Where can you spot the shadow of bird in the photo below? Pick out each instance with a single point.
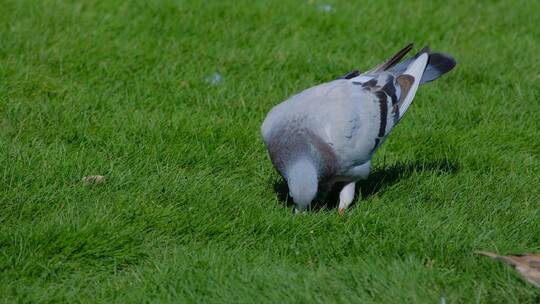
(380, 180)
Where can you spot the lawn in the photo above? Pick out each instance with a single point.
(165, 98)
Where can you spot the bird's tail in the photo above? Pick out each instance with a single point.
(438, 64)
(423, 67)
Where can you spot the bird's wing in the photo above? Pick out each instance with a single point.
(392, 94)
(401, 88)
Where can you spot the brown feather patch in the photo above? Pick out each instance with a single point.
(405, 83)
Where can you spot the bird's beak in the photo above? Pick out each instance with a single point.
(341, 211)
(297, 211)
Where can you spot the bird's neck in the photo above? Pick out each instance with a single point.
(295, 145)
(302, 168)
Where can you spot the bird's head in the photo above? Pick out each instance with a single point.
(302, 179)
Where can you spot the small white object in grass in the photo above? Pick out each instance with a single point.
(214, 78)
(326, 8)
(93, 180)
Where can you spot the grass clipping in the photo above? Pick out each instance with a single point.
(93, 180)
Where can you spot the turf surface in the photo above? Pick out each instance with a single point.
(192, 210)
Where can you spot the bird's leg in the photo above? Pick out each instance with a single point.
(346, 197)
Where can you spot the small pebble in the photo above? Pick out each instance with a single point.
(326, 8)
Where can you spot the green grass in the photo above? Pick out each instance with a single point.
(189, 212)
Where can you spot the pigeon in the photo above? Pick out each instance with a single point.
(328, 133)
(528, 265)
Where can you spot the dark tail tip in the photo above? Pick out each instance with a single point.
(438, 65)
(442, 61)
